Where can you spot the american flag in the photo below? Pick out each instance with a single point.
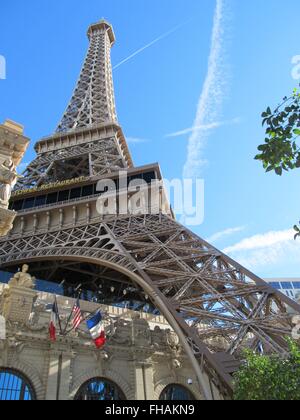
(77, 315)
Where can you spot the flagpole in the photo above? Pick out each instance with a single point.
(73, 328)
(65, 332)
(59, 321)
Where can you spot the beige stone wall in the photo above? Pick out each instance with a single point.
(142, 355)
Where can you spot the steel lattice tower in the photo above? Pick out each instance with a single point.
(216, 306)
(93, 101)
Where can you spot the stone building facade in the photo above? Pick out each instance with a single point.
(142, 356)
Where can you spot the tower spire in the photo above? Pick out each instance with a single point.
(93, 101)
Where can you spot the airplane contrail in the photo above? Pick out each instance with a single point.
(212, 95)
(155, 41)
(207, 127)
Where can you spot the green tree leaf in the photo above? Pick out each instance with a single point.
(269, 378)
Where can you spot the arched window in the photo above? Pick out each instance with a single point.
(99, 389)
(176, 393)
(15, 387)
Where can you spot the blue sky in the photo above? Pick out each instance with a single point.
(247, 213)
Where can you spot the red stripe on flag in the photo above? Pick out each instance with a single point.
(77, 316)
(100, 342)
(52, 331)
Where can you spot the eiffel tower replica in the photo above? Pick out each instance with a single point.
(217, 307)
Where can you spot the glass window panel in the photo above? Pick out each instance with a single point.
(149, 176)
(75, 193)
(63, 195)
(137, 176)
(5, 276)
(275, 285)
(87, 190)
(51, 198)
(40, 200)
(29, 203)
(17, 205)
(99, 390)
(49, 287)
(14, 386)
(176, 393)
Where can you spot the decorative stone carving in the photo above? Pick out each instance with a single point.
(142, 334)
(8, 179)
(7, 218)
(15, 345)
(23, 279)
(18, 299)
(158, 338)
(102, 356)
(121, 333)
(173, 342)
(13, 143)
(176, 364)
(34, 322)
(2, 328)
(3, 353)
(12, 148)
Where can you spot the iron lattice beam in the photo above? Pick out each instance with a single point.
(95, 158)
(219, 305)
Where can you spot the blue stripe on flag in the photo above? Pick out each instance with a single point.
(95, 320)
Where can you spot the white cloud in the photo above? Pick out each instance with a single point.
(207, 127)
(211, 98)
(266, 250)
(136, 140)
(262, 241)
(225, 233)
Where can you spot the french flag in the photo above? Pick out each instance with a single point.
(54, 321)
(97, 330)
